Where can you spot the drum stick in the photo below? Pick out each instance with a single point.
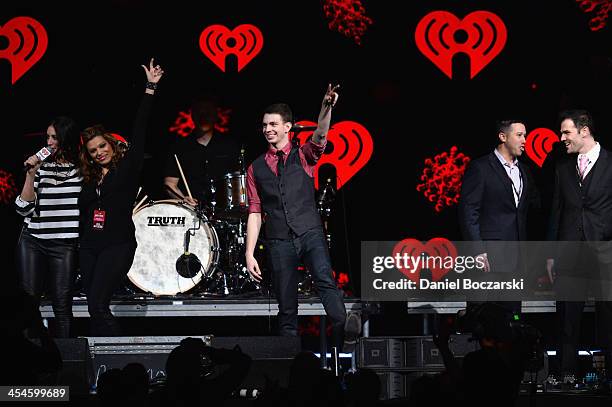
(183, 176)
(139, 203)
(138, 193)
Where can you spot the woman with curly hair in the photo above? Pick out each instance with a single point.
(111, 173)
(47, 246)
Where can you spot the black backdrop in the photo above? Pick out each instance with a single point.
(91, 71)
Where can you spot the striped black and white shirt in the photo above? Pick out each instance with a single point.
(54, 214)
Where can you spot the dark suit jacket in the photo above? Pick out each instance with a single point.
(486, 209)
(582, 212)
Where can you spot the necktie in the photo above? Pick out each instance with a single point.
(280, 167)
(583, 162)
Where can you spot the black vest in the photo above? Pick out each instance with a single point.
(288, 202)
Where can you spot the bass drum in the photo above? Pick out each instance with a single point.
(160, 233)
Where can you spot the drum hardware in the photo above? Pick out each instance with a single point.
(241, 160)
(188, 264)
(324, 206)
(231, 277)
(225, 289)
(212, 201)
(306, 286)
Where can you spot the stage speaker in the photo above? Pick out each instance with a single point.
(409, 353)
(77, 371)
(394, 385)
(150, 351)
(272, 357)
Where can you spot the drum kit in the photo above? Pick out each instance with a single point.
(200, 251)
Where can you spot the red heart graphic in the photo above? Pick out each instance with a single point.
(353, 147)
(244, 41)
(435, 38)
(27, 43)
(539, 143)
(438, 246)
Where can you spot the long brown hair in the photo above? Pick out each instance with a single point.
(67, 135)
(91, 170)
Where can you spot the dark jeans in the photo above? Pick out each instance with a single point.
(283, 260)
(54, 260)
(103, 271)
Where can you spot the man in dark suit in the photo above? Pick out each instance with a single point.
(581, 212)
(495, 196)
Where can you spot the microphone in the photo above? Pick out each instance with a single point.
(188, 265)
(42, 155)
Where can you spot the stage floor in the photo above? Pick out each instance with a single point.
(185, 306)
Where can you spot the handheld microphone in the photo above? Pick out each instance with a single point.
(42, 155)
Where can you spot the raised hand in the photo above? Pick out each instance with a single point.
(154, 72)
(331, 96)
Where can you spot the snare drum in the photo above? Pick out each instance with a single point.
(231, 195)
(160, 233)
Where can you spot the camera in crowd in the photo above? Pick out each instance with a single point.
(497, 326)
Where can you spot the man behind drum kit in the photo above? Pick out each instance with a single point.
(280, 186)
(204, 155)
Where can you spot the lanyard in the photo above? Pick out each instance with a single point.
(516, 192)
(99, 192)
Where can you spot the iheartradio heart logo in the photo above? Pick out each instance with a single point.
(539, 143)
(244, 41)
(435, 37)
(436, 247)
(27, 43)
(353, 147)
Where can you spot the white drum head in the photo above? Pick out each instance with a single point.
(160, 233)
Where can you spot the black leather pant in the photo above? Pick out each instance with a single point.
(51, 261)
(103, 271)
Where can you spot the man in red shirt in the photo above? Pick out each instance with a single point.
(280, 186)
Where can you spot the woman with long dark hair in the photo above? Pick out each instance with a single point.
(47, 246)
(111, 173)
